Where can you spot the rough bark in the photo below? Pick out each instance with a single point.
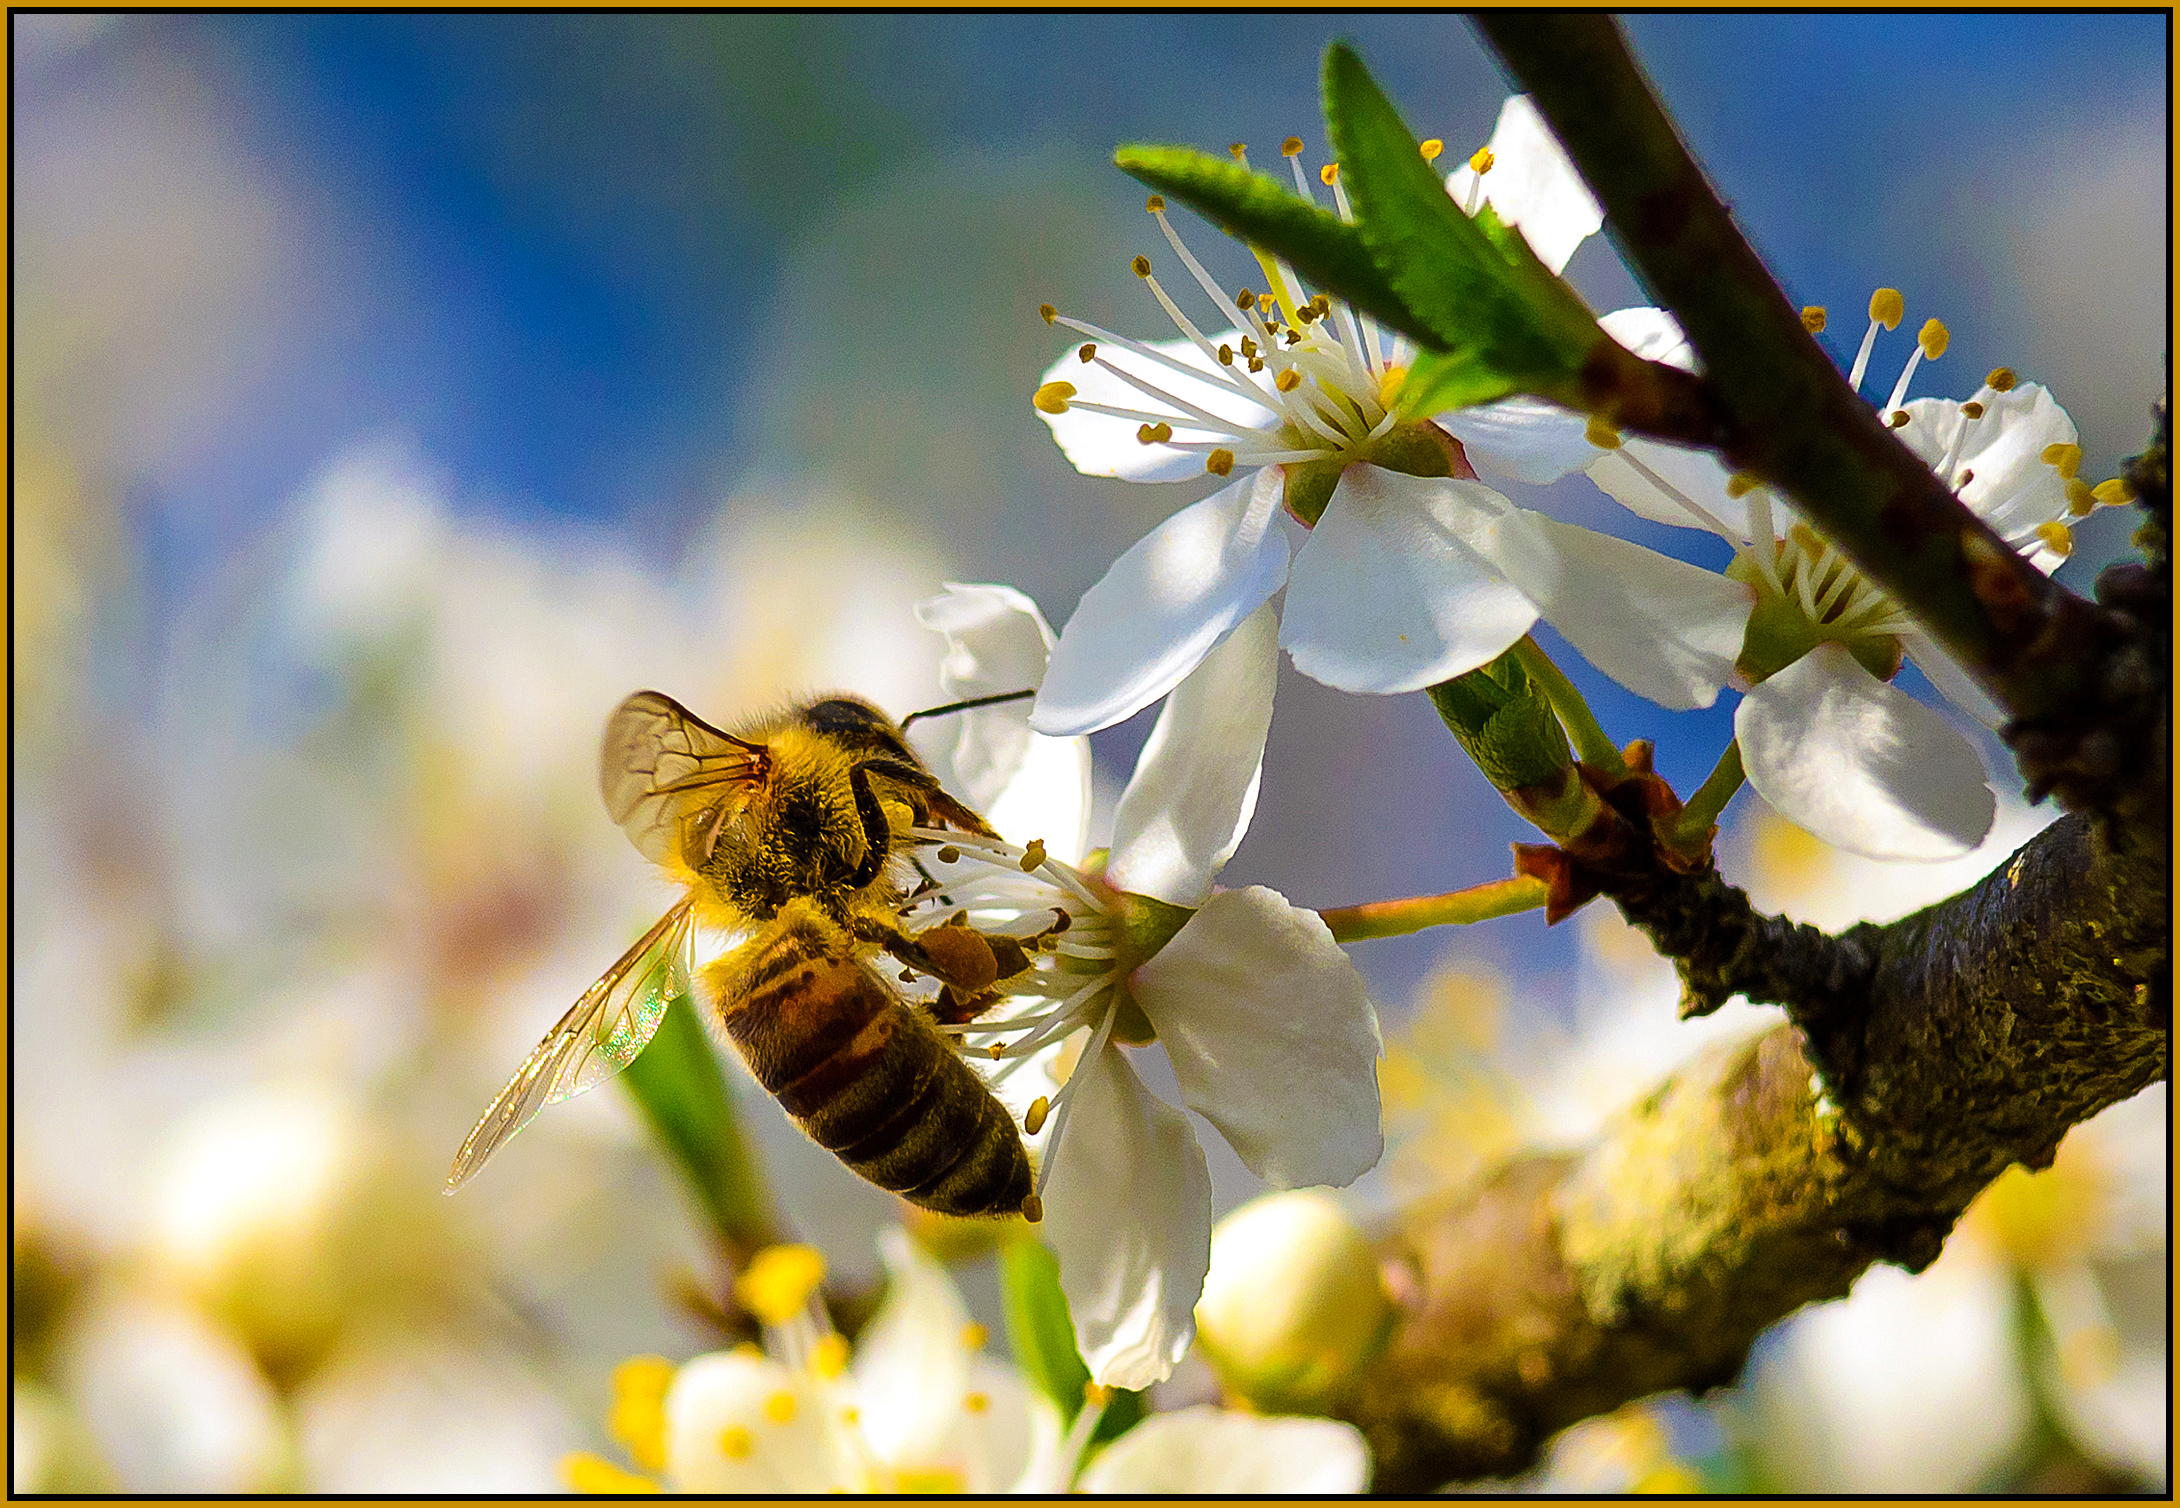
(1743, 1187)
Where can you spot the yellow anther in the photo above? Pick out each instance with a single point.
(1813, 318)
(2113, 493)
(829, 1357)
(1226, 356)
(1140, 266)
(1291, 337)
(1047, 313)
(1741, 484)
(1971, 409)
(949, 854)
(1291, 147)
(2068, 458)
(2001, 380)
(2058, 537)
(1034, 1120)
(1480, 161)
(1329, 174)
(1966, 476)
(1811, 542)
(1933, 338)
(1601, 434)
(736, 1442)
(976, 1403)
(780, 1407)
(1156, 204)
(643, 1377)
(1095, 1396)
(1431, 149)
(749, 1350)
(1221, 461)
(1256, 364)
(2081, 498)
(1246, 299)
(1897, 419)
(779, 1281)
(974, 1336)
(1146, 434)
(996, 1051)
(1087, 353)
(1248, 346)
(1888, 308)
(1033, 856)
(595, 1476)
(1239, 149)
(1052, 397)
(1033, 1208)
(1288, 380)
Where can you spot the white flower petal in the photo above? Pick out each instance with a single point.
(1272, 1036)
(1195, 785)
(1532, 185)
(1954, 683)
(1026, 785)
(1652, 334)
(1214, 1451)
(911, 1368)
(1862, 764)
(1100, 445)
(1664, 629)
(1128, 1211)
(1390, 593)
(1177, 592)
(727, 1391)
(1000, 1434)
(1658, 481)
(1527, 439)
(2012, 487)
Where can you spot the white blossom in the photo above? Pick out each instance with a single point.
(1265, 1020)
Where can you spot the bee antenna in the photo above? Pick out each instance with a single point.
(974, 701)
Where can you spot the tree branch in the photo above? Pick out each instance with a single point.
(1979, 1031)
(1790, 417)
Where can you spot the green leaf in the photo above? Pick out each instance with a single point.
(1508, 323)
(1042, 1337)
(678, 1085)
(1439, 381)
(1261, 211)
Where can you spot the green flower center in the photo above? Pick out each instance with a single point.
(1808, 594)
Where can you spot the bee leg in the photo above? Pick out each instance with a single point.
(877, 832)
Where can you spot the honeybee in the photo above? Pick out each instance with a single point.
(786, 832)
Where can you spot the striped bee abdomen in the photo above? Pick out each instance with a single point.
(875, 1083)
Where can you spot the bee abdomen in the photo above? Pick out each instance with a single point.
(877, 1086)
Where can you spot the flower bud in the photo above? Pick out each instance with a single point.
(1293, 1303)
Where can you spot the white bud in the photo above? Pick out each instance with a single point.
(1293, 1302)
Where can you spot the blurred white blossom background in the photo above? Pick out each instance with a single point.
(394, 394)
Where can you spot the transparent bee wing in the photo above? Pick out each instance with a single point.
(599, 1036)
(662, 764)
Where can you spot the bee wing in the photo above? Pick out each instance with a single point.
(599, 1036)
(661, 764)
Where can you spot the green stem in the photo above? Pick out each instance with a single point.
(678, 1084)
(1478, 903)
(1591, 745)
(1704, 807)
